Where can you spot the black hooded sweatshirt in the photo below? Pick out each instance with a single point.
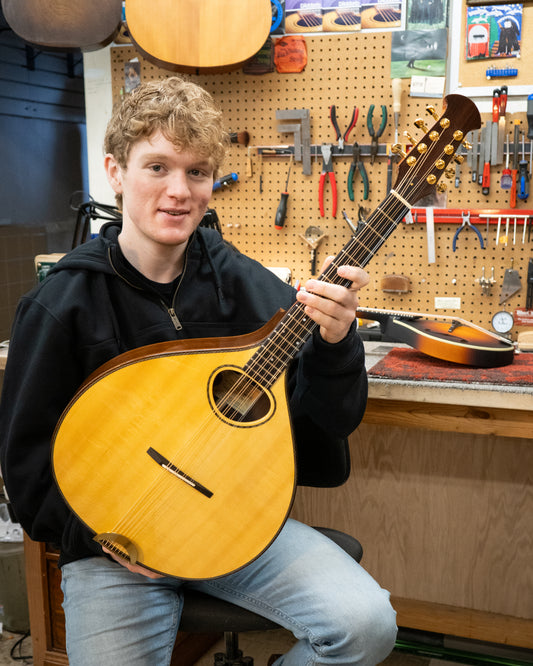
(93, 305)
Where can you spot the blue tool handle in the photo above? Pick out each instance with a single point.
(225, 180)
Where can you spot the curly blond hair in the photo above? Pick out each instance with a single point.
(181, 110)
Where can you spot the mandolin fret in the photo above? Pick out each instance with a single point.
(281, 346)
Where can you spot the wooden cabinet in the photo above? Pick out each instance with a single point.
(47, 622)
(440, 496)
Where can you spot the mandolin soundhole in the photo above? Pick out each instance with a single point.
(238, 398)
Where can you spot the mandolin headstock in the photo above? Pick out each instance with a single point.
(420, 170)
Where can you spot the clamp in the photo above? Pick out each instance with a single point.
(465, 225)
(375, 134)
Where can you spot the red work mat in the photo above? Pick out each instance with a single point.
(412, 365)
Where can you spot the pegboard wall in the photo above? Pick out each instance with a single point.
(347, 70)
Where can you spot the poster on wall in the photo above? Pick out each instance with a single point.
(419, 52)
(493, 31)
(427, 14)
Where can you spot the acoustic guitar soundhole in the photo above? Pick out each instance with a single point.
(237, 398)
(348, 18)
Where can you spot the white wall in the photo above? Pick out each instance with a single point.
(98, 105)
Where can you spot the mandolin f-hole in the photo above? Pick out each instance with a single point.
(238, 399)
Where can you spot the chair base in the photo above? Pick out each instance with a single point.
(233, 656)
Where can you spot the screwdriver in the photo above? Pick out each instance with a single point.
(507, 179)
(281, 212)
(529, 114)
(523, 192)
(514, 172)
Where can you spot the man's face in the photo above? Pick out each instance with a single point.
(165, 192)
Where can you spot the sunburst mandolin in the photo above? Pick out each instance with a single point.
(179, 456)
(441, 336)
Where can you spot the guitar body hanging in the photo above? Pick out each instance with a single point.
(179, 456)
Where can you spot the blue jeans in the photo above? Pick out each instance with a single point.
(303, 581)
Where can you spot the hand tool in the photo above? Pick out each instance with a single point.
(327, 169)
(458, 166)
(530, 117)
(485, 182)
(240, 137)
(514, 171)
(396, 105)
(481, 154)
(302, 137)
(471, 157)
(229, 179)
(511, 284)
(375, 134)
(466, 224)
(349, 222)
(357, 164)
(281, 212)
(313, 236)
(342, 138)
(361, 217)
(498, 125)
(506, 180)
(529, 297)
(495, 125)
(523, 174)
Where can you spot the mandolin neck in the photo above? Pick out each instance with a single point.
(277, 351)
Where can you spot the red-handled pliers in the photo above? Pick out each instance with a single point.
(327, 168)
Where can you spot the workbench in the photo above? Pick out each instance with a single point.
(440, 497)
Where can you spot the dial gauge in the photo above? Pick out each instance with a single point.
(502, 322)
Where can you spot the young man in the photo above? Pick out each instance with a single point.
(155, 277)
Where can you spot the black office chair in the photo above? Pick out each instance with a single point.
(205, 614)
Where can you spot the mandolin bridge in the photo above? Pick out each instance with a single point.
(176, 471)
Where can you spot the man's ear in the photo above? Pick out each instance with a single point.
(113, 173)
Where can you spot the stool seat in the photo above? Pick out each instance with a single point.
(203, 613)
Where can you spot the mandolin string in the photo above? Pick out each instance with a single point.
(398, 208)
(156, 492)
(294, 324)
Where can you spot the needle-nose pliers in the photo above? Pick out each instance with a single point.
(342, 138)
(375, 134)
(354, 166)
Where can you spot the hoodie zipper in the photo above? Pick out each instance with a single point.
(171, 310)
(174, 318)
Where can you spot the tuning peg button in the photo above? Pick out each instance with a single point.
(432, 111)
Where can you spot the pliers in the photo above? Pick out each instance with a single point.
(341, 138)
(357, 164)
(327, 168)
(465, 225)
(375, 134)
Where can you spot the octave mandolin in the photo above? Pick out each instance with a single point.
(203, 34)
(179, 456)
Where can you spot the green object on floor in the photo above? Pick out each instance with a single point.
(457, 656)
